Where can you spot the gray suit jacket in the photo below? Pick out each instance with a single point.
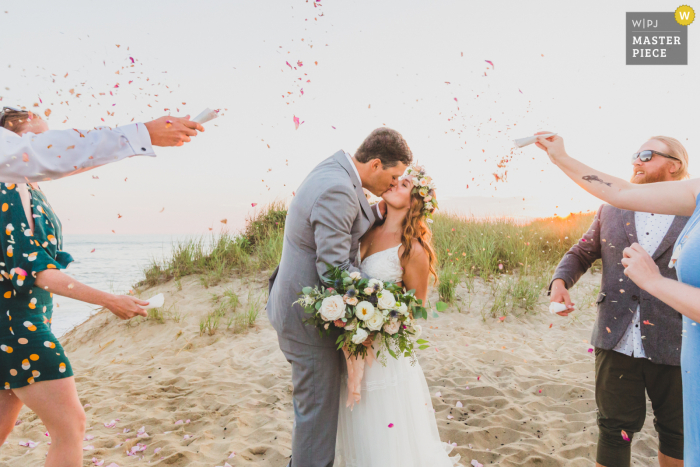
(612, 231)
(324, 224)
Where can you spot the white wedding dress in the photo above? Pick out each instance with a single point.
(397, 395)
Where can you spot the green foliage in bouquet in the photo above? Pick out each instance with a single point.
(366, 311)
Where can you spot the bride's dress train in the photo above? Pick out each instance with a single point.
(394, 423)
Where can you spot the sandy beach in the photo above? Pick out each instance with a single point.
(526, 385)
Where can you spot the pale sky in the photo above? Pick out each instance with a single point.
(558, 66)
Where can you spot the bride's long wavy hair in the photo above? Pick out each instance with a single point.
(414, 227)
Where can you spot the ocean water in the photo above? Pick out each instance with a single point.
(116, 264)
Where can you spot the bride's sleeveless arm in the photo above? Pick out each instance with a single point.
(416, 271)
(332, 218)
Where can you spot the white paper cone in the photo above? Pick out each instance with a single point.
(556, 307)
(521, 142)
(206, 115)
(155, 302)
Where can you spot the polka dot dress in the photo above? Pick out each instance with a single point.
(29, 352)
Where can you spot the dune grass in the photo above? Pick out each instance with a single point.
(516, 259)
(259, 247)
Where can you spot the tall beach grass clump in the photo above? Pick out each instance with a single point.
(515, 258)
(258, 247)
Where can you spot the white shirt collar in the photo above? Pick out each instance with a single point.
(352, 163)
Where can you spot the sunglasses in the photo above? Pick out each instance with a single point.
(7, 109)
(645, 156)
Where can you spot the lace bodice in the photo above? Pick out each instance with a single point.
(384, 265)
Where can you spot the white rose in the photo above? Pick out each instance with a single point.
(417, 329)
(386, 300)
(403, 309)
(376, 282)
(356, 276)
(376, 322)
(360, 336)
(364, 310)
(350, 326)
(332, 308)
(416, 182)
(424, 182)
(368, 291)
(351, 301)
(392, 327)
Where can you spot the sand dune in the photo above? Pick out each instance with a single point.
(527, 389)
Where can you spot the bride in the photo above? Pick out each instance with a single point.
(394, 425)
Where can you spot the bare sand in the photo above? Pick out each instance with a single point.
(527, 388)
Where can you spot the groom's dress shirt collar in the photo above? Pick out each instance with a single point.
(352, 163)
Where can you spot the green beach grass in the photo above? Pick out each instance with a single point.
(515, 258)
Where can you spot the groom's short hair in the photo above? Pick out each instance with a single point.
(387, 145)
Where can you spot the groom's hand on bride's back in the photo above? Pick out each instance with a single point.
(172, 131)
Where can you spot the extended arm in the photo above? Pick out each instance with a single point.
(642, 269)
(331, 219)
(676, 198)
(58, 153)
(416, 272)
(54, 281)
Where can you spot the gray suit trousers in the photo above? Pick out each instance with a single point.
(316, 378)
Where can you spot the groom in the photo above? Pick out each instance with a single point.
(324, 224)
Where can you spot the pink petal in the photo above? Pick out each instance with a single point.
(88, 448)
(590, 350)
(96, 461)
(490, 63)
(296, 122)
(459, 404)
(475, 463)
(132, 59)
(252, 204)
(391, 425)
(450, 417)
(233, 454)
(157, 450)
(88, 437)
(624, 436)
(438, 394)
(179, 422)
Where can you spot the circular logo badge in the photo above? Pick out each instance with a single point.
(684, 15)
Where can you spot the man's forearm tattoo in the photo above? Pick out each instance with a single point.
(594, 178)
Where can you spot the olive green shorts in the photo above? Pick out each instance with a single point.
(620, 383)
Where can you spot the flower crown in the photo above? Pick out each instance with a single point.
(424, 186)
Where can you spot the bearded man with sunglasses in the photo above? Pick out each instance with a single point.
(637, 337)
(40, 155)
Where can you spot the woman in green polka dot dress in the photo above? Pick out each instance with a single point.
(34, 369)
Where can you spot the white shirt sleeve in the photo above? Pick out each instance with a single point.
(59, 153)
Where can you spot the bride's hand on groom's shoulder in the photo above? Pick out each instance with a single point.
(126, 307)
(553, 146)
(172, 131)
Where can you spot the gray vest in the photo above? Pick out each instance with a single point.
(612, 231)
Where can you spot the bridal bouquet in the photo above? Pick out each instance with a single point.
(365, 309)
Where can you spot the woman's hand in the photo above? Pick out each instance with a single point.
(553, 146)
(640, 267)
(126, 307)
